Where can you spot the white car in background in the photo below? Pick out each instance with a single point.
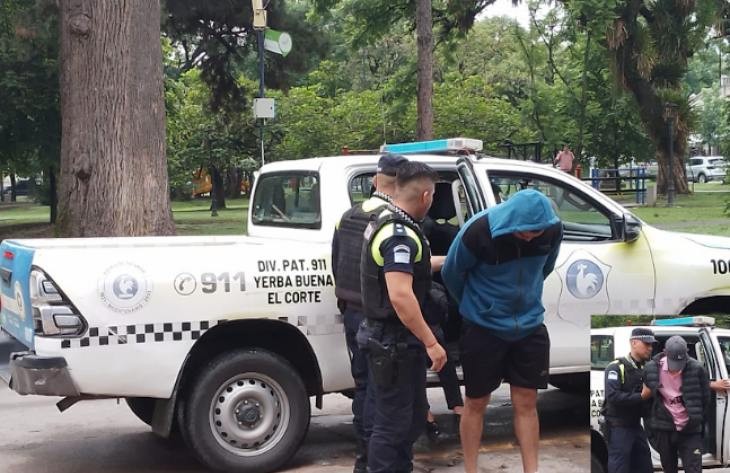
(706, 168)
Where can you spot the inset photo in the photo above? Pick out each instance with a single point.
(659, 391)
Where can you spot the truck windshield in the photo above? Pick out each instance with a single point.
(288, 199)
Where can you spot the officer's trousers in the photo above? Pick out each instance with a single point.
(400, 416)
(361, 420)
(628, 450)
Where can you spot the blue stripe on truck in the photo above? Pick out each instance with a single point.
(18, 323)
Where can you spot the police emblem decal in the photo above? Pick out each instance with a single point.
(125, 287)
(584, 279)
(19, 299)
(612, 375)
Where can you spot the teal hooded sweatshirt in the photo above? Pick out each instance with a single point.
(497, 278)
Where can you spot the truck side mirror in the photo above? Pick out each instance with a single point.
(631, 228)
(627, 227)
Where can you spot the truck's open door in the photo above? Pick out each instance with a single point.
(717, 422)
(473, 192)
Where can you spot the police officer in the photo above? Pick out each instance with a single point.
(395, 280)
(628, 448)
(346, 251)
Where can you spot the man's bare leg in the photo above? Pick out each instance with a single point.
(470, 430)
(527, 425)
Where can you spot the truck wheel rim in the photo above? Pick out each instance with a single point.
(249, 414)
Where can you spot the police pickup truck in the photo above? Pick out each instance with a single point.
(225, 339)
(709, 345)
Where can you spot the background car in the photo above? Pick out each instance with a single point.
(22, 187)
(706, 168)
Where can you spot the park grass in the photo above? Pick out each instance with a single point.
(701, 212)
(30, 220)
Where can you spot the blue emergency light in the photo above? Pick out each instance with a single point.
(433, 146)
(696, 321)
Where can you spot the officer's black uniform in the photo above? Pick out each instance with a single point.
(347, 244)
(628, 448)
(346, 253)
(396, 358)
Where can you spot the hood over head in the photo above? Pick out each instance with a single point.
(526, 211)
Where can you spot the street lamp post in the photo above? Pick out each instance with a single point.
(670, 115)
(259, 25)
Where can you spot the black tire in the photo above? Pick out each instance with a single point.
(142, 407)
(248, 411)
(701, 178)
(596, 465)
(572, 383)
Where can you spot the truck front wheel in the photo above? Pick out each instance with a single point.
(247, 411)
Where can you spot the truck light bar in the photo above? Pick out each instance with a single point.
(433, 146)
(696, 321)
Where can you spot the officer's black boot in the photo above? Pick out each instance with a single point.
(361, 457)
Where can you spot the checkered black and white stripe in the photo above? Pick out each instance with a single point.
(141, 333)
(310, 325)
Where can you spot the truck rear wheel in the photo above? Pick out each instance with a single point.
(247, 411)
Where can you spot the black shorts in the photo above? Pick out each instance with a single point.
(487, 360)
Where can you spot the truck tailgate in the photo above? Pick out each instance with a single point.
(16, 316)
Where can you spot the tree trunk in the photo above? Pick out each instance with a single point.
(233, 183)
(424, 88)
(583, 99)
(52, 196)
(680, 176)
(13, 182)
(218, 191)
(113, 176)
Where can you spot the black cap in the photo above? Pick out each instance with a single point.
(643, 334)
(389, 163)
(676, 350)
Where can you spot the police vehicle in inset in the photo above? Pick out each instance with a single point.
(706, 343)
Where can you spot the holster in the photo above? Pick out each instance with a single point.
(386, 361)
(604, 428)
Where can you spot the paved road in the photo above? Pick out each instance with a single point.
(97, 436)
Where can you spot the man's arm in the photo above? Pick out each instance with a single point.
(705, 386)
(459, 261)
(437, 262)
(400, 291)
(554, 251)
(614, 394)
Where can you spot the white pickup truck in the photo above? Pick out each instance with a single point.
(709, 345)
(224, 339)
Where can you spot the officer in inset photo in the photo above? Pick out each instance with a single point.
(346, 253)
(396, 278)
(681, 388)
(624, 405)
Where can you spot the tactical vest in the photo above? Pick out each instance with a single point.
(376, 303)
(632, 379)
(350, 239)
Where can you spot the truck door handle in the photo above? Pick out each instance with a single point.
(6, 274)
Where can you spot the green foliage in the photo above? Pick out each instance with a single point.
(199, 137)
(29, 116)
